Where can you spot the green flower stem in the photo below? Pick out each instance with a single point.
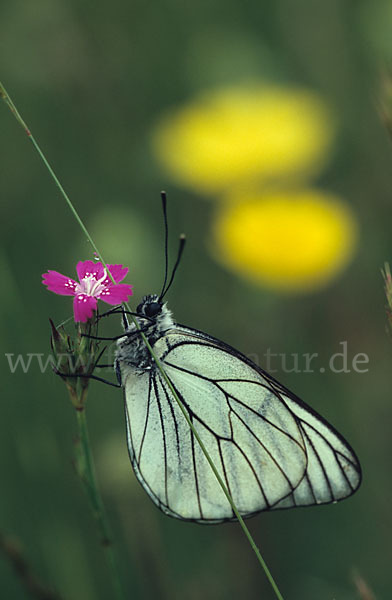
(86, 470)
(247, 533)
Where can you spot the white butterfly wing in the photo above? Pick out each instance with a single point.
(270, 450)
(333, 471)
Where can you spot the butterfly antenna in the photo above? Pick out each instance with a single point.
(179, 254)
(164, 208)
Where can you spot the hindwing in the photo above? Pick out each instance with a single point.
(271, 450)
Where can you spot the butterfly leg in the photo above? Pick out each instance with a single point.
(101, 379)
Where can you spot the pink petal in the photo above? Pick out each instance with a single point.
(116, 294)
(84, 307)
(58, 283)
(118, 272)
(90, 267)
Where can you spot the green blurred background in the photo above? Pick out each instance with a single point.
(91, 79)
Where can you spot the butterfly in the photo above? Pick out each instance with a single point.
(271, 449)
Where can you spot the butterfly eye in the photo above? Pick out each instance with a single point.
(152, 309)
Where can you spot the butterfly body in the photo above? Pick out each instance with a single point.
(131, 349)
(271, 450)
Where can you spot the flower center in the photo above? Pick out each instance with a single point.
(91, 286)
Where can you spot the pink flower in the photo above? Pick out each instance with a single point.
(94, 284)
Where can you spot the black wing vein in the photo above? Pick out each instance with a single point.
(163, 436)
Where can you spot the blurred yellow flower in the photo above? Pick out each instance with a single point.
(242, 134)
(294, 241)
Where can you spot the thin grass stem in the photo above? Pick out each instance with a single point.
(7, 99)
(245, 529)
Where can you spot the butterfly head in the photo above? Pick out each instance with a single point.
(152, 310)
(150, 306)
